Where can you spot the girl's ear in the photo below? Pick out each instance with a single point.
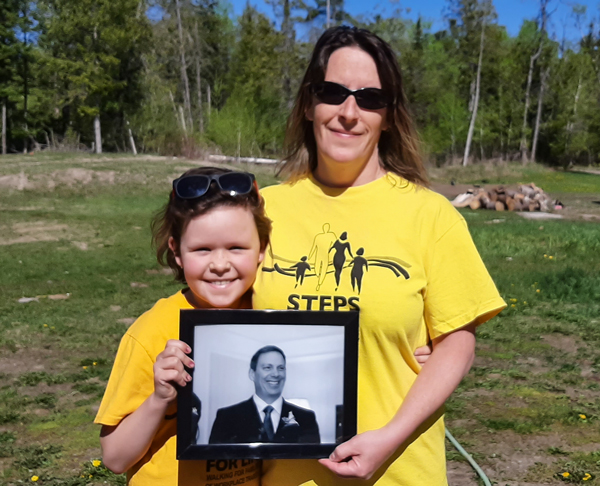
(261, 256)
(175, 250)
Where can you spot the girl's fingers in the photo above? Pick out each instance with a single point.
(176, 343)
(176, 352)
(170, 363)
(168, 377)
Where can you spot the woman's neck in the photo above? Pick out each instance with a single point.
(348, 174)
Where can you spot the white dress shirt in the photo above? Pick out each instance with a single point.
(275, 414)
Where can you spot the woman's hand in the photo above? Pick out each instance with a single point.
(423, 353)
(449, 362)
(362, 455)
(169, 370)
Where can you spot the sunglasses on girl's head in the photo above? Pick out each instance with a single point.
(194, 186)
(366, 98)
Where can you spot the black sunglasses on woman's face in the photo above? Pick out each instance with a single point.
(366, 98)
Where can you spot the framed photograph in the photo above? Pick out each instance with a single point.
(267, 384)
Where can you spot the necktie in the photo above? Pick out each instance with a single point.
(269, 423)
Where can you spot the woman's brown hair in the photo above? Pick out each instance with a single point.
(173, 218)
(399, 150)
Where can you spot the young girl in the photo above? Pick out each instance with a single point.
(213, 233)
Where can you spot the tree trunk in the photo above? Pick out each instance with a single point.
(538, 118)
(3, 127)
(131, 140)
(286, 27)
(570, 124)
(182, 116)
(98, 134)
(184, 77)
(199, 87)
(532, 61)
(481, 152)
(25, 74)
(523, 145)
(175, 109)
(208, 100)
(476, 100)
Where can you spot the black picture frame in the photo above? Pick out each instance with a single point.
(321, 350)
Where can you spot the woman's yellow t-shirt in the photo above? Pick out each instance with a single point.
(403, 257)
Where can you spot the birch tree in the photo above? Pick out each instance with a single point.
(532, 61)
(475, 103)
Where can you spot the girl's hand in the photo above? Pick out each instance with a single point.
(169, 370)
(362, 455)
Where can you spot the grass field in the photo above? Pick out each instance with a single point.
(75, 238)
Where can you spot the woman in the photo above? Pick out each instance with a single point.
(353, 167)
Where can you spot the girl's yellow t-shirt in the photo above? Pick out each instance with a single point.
(132, 381)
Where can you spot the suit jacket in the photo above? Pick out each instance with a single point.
(241, 423)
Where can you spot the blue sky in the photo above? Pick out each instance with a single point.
(510, 12)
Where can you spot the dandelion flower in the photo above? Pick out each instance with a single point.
(587, 476)
(550, 257)
(94, 363)
(514, 300)
(513, 305)
(582, 416)
(84, 367)
(34, 479)
(565, 474)
(96, 462)
(545, 256)
(538, 291)
(45, 325)
(525, 302)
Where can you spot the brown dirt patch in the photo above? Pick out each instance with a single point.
(510, 455)
(37, 231)
(566, 344)
(460, 474)
(67, 177)
(33, 232)
(24, 360)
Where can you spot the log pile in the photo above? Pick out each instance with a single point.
(527, 197)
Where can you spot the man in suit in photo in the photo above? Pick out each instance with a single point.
(265, 416)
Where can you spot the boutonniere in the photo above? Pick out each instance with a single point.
(290, 419)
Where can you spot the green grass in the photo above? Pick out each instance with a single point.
(537, 366)
(552, 181)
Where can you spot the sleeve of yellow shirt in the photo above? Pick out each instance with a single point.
(131, 382)
(459, 288)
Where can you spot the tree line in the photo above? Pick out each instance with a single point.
(182, 76)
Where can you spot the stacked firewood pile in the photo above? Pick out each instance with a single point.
(527, 197)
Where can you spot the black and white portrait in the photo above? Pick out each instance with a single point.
(269, 384)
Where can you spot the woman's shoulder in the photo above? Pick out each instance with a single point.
(282, 188)
(425, 197)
